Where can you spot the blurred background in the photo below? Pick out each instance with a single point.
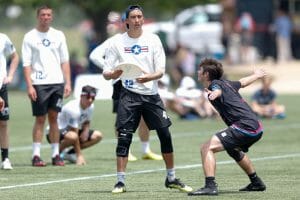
(236, 32)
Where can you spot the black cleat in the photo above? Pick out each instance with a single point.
(204, 191)
(252, 187)
(119, 188)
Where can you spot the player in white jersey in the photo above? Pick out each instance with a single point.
(74, 126)
(47, 75)
(97, 57)
(139, 97)
(7, 50)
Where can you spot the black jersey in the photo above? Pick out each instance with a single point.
(233, 109)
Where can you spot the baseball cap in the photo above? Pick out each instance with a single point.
(131, 8)
(88, 91)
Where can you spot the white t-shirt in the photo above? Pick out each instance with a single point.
(98, 54)
(146, 52)
(73, 115)
(6, 49)
(45, 52)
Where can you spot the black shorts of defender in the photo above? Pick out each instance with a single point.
(132, 106)
(48, 97)
(116, 95)
(4, 115)
(236, 143)
(62, 133)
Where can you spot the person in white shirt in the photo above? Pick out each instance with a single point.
(74, 126)
(47, 74)
(139, 96)
(97, 57)
(7, 50)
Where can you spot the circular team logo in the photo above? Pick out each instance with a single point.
(136, 49)
(46, 42)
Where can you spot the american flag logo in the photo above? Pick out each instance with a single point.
(136, 49)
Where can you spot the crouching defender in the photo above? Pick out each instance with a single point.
(244, 128)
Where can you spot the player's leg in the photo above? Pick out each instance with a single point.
(208, 150)
(54, 107)
(157, 119)
(4, 137)
(144, 134)
(94, 138)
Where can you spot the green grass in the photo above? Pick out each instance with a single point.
(276, 158)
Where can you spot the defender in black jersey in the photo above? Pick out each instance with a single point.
(244, 128)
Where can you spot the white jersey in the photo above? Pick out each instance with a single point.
(146, 52)
(98, 54)
(72, 115)
(45, 52)
(6, 49)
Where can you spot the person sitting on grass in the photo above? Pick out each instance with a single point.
(264, 102)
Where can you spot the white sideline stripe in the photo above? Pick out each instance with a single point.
(136, 139)
(142, 172)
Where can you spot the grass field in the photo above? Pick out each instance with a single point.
(276, 158)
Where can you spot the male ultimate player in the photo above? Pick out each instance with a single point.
(244, 128)
(139, 96)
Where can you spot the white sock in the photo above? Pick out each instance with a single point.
(171, 174)
(36, 149)
(145, 147)
(121, 177)
(55, 149)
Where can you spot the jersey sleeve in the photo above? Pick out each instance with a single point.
(26, 52)
(9, 47)
(63, 50)
(159, 55)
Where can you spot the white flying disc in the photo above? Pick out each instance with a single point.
(130, 71)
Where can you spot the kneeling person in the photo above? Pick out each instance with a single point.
(74, 126)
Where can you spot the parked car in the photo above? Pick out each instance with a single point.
(198, 28)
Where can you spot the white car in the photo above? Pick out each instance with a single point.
(198, 28)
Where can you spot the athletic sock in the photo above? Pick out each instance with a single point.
(121, 177)
(171, 174)
(254, 178)
(36, 146)
(4, 153)
(210, 182)
(55, 149)
(145, 147)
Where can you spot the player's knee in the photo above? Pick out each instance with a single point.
(71, 136)
(237, 155)
(165, 140)
(97, 136)
(124, 141)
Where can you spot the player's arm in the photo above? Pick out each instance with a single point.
(150, 77)
(2, 104)
(257, 74)
(67, 77)
(85, 131)
(12, 68)
(30, 89)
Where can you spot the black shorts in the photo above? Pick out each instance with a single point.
(116, 95)
(132, 106)
(62, 133)
(233, 139)
(48, 97)
(4, 115)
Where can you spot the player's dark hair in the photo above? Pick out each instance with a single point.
(38, 10)
(213, 67)
(131, 8)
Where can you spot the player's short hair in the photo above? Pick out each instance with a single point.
(38, 10)
(213, 67)
(131, 8)
(88, 91)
